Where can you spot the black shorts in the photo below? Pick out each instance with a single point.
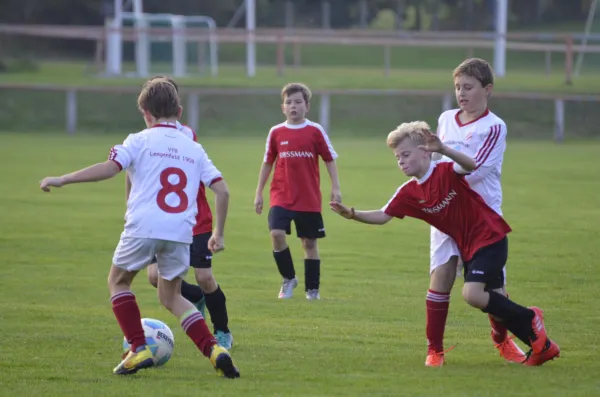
(487, 265)
(308, 224)
(200, 255)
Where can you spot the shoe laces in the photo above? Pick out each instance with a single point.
(287, 284)
(221, 337)
(444, 351)
(504, 342)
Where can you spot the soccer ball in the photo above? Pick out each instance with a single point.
(159, 338)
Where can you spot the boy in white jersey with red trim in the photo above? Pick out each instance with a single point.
(439, 194)
(294, 148)
(165, 170)
(207, 293)
(474, 130)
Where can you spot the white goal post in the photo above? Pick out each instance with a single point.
(141, 23)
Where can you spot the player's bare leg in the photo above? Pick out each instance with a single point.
(191, 292)
(437, 303)
(216, 305)
(195, 327)
(285, 264)
(129, 317)
(312, 268)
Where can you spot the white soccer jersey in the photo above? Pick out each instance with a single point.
(484, 139)
(166, 168)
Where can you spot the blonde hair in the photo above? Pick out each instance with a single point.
(159, 97)
(293, 88)
(477, 68)
(416, 131)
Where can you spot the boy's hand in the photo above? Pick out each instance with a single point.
(258, 204)
(432, 144)
(216, 244)
(341, 209)
(336, 195)
(51, 181)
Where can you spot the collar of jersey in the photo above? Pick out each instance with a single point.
(165, 125)
(296, 126)
(427, 174)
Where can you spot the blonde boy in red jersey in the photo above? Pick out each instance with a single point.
(294, 148)
(439, 194)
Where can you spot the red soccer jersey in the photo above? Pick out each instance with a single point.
(444, 199)
(204, 217)
(296, 150)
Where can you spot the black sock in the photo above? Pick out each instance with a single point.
(215, 304)
(516, 317)
(285, 264)
(191, 292)
(312, 273)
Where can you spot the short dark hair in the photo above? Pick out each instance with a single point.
(477, 68)
(159, 97)
(169, 79)
(293, 88)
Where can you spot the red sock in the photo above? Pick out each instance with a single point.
(194, 325)
(437, 311)
(499, 331)
(128, 315)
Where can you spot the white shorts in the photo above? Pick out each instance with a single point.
(442, 248)
(134, 254)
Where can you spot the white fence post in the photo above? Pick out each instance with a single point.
(559, 120)
(193, 111)
(324, 114)
(387, 60)
(71, 111)
(446, 102)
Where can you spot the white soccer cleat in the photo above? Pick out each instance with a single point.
(287, 287)
(313, 295)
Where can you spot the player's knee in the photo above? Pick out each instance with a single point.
(475, 295)
(310, 248)
(278, 238)
(442, 277)
(206, 280)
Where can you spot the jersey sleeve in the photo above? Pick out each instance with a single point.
(187, 131)
(396, 206)
(270, 148)
(324, 146)
(491, 145)
(124, 154)
(209, 174)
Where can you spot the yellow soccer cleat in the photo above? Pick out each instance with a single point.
(133, 362)
(223, 363)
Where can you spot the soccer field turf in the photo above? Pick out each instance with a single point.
(366, 335)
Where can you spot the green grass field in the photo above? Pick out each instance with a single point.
(364, 338)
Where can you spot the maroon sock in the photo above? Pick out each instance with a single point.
(194, 325)
(499, 331)
(437, 311)
(128, 315)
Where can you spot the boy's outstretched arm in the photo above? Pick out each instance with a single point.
(94, 173)
(263, 176)
(336, 194)
(375, 217)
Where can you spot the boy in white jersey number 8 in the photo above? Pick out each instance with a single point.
(439, 194)
(166, 169)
